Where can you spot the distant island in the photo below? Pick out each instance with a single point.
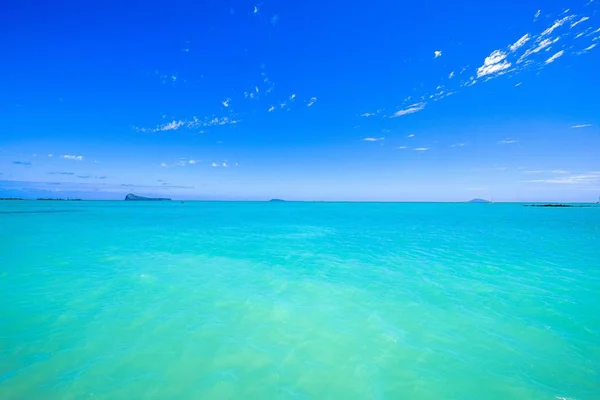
(11, 198)
(560, 205)
(276, 200)
(478, 201)
(133, 197)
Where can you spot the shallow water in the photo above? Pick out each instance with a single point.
(217, 300)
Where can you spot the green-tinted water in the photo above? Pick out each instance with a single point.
(123, 300)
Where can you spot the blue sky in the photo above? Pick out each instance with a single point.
(312, 100)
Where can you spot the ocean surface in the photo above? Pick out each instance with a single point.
(234, 300)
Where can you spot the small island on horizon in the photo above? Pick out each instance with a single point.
(478, 201)
(133, 197)
(276, 200)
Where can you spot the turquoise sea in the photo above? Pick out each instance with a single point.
(234, 300)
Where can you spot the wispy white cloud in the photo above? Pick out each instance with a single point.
(458, 145)
(51, 155)
(292, 96)
(311, 101)
(451, 75)
(411, 135)
(470, 82)
(518, 84)
(554, 57)
(519, 43)
(171, 126)
(163, 164)
(218, 121)
(72, 157)
(537, 15)
(590, 47)
(215, 165)
(195, 121)
(543, 171)
(581, 126)
(582, 19)
(584, 32)
(226, 103)
(193, 162)
(437, 54)
(271, 109)
(440, 95)
(542, 45)
(557, 24)
(373, 139)
(371, 114)
(493, 64)
(256, 10)
(402, 147)
(421, 149)
(413, 108)
(572, 179)
(507, 141)
(224, 164)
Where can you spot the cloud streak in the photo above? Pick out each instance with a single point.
(557, 24)
(72, 157)
(61, 173)
(572, 179)
(413, 108)
(519, 43)
(590, 47)
(581, 20)
(541, 46)
(554, 57)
